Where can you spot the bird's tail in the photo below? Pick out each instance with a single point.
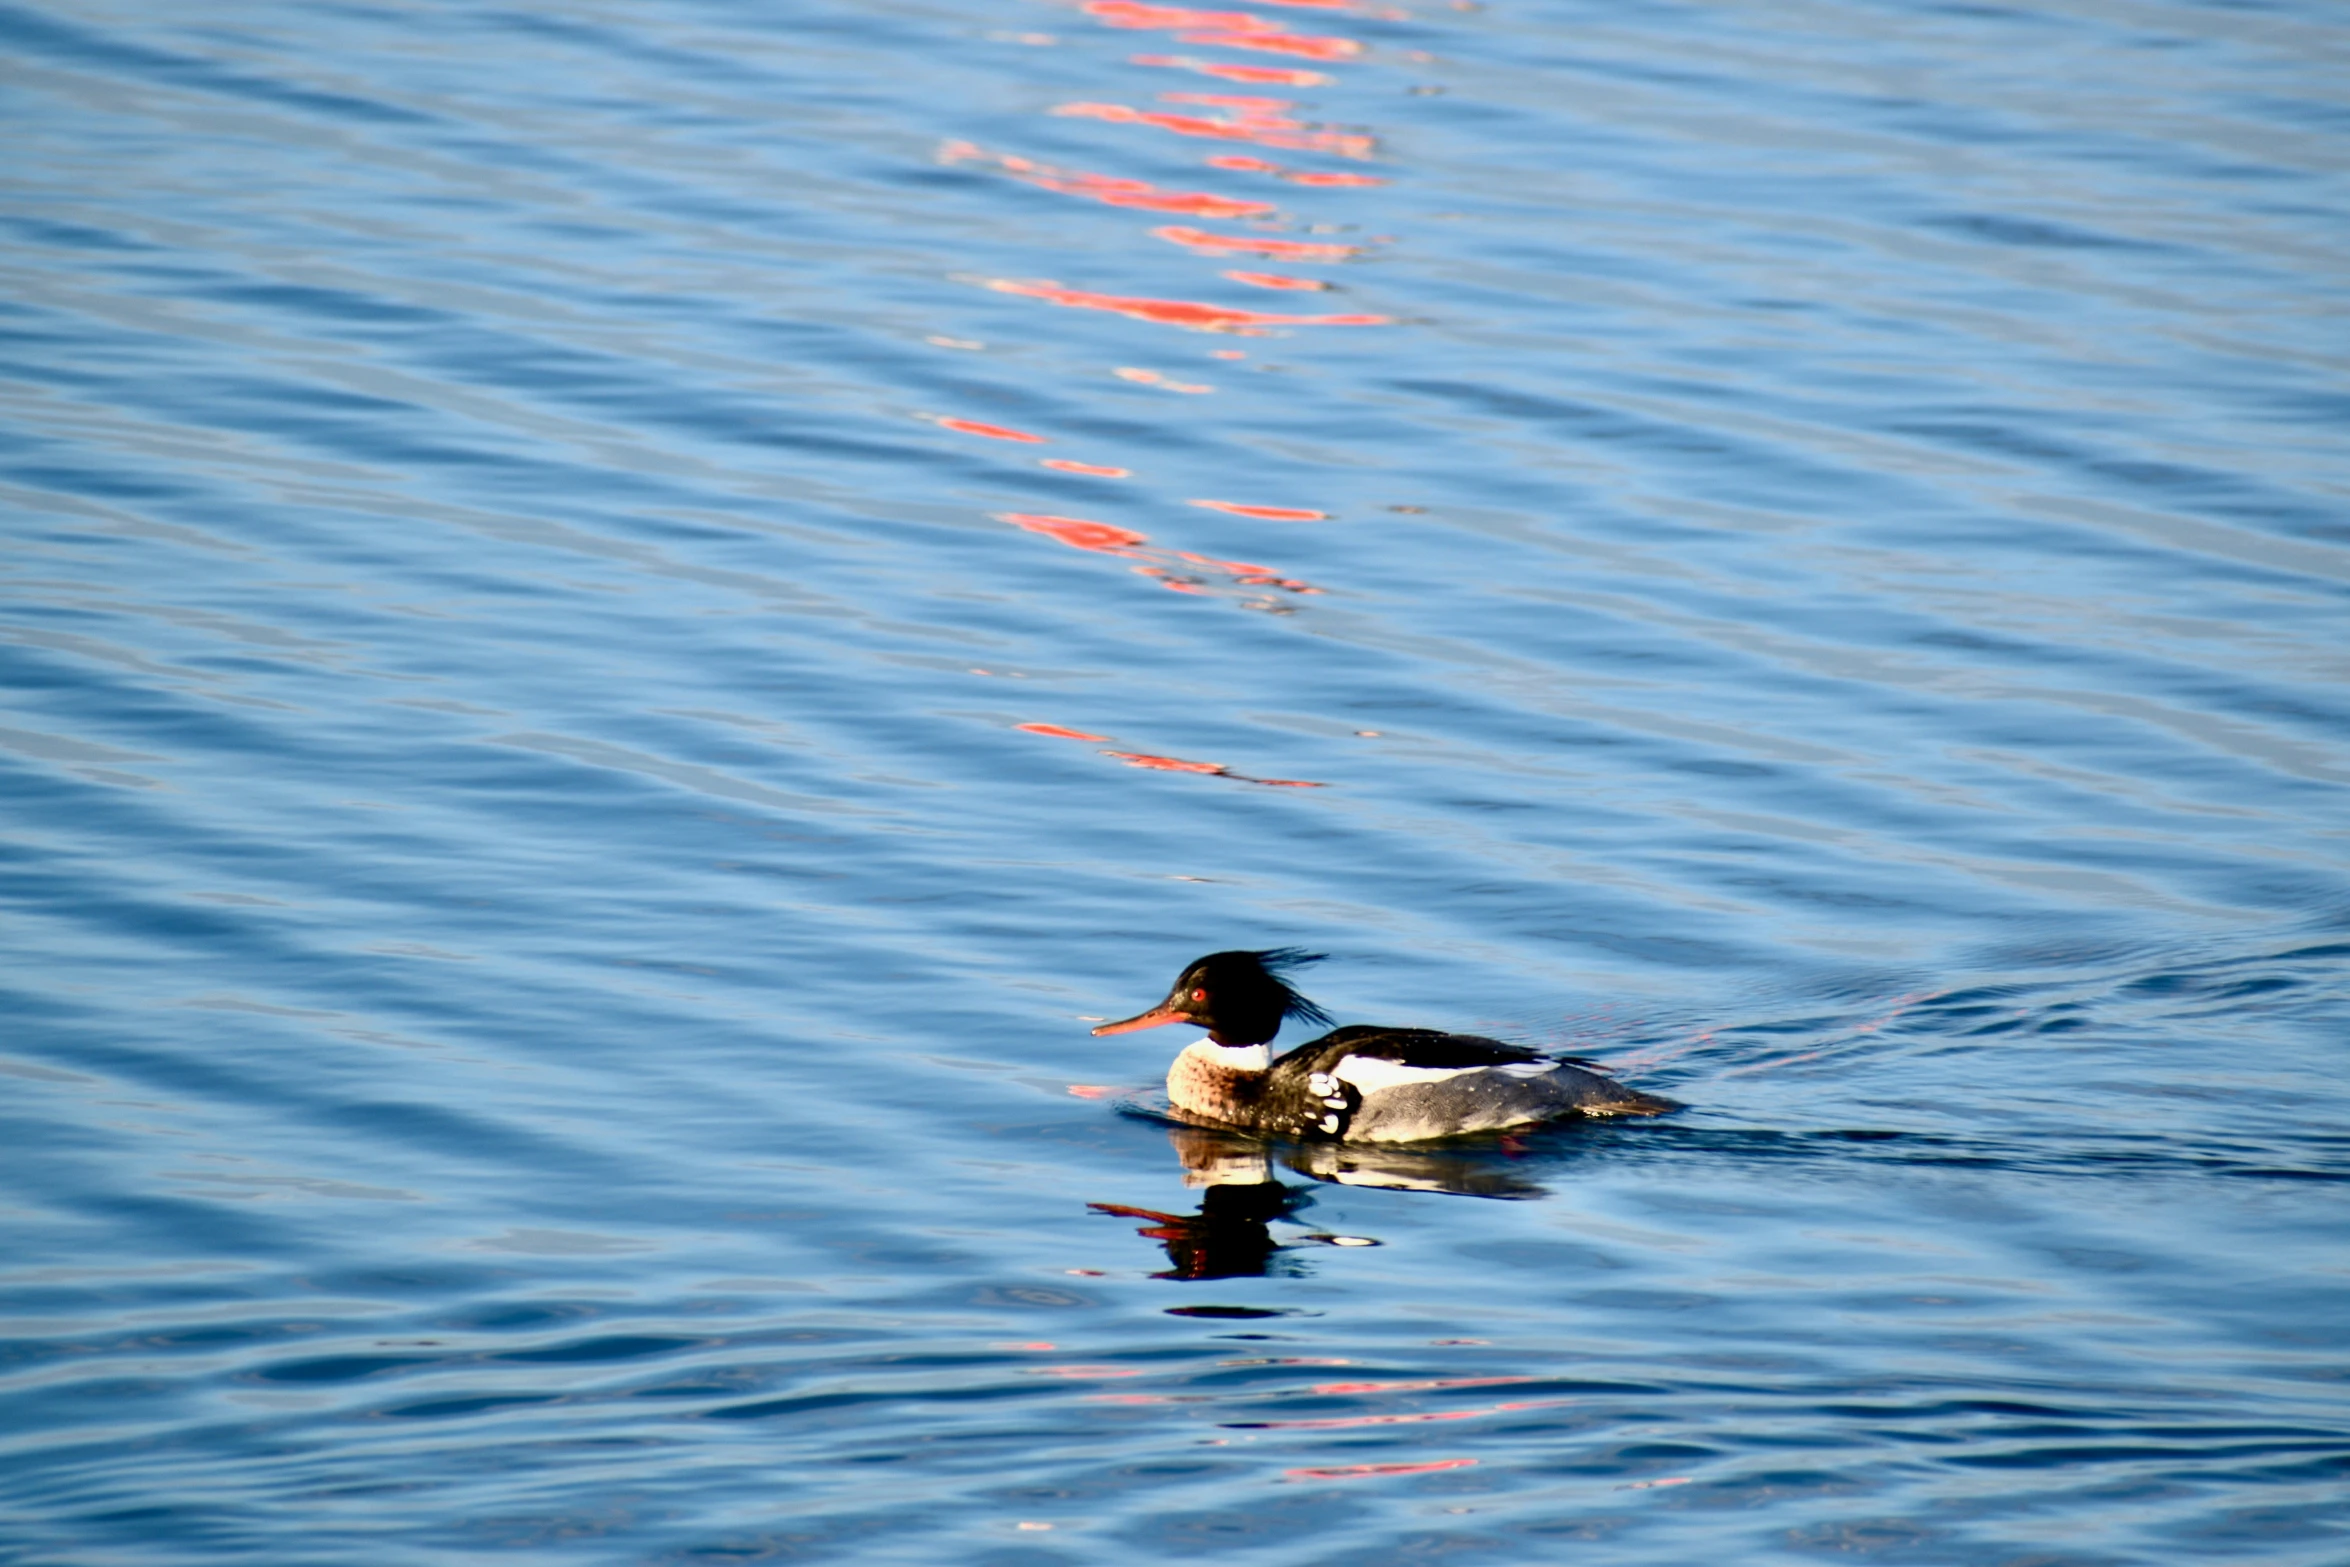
(1620, 1100)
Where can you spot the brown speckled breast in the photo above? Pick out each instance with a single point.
(1203, 1088)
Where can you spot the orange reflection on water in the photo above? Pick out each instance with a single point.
(1097, 470)
(1364, 1471)
(1191, 314)
(1325, 46)
(1247, 165)
(1080, 1371)
(1338, 1389)
(1221, 29)
(1079, 532)
(1268, 75)
(1246, 575)
(1254, 125)
(1163, 764)
(1154, 378)
(1178, 571)
(1132, 13)
(1253, 245)
(1166, 764)
(1347, 1422)
(994, 432)
(1107, 189)
(1176, 764)
(1276, 280)
(1240, 572)
(1267, 513)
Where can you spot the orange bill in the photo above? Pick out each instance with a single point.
(1164, 1012)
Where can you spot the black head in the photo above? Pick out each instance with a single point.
(1238, 997)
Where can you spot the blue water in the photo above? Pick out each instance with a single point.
(545, 977)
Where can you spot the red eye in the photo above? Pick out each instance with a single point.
(1199, 995)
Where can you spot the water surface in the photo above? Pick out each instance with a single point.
(623, 618)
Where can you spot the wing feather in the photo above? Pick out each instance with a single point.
(1421, 1047)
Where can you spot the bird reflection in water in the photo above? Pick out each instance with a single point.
(1229, 1238)
(1231, 1235)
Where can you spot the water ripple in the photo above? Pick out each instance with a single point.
(621, 622)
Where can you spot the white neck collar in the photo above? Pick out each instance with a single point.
(1232, 1058)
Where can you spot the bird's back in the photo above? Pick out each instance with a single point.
(1416, 1084)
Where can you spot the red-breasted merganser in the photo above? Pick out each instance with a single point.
(1362, 1084)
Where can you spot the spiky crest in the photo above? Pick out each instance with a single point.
(1277, 962)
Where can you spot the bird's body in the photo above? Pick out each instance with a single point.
(1359, 1083)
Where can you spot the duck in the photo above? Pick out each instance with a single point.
(1360, 1083)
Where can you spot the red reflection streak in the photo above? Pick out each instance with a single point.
(1107, 189)
(1250, 245)
(1081, 533)
(1079, 1371)
(1362, 1471)
(1097, 470)
(1267, 75)
(1131, 13)
(1246, 575)
(1176, 764)
(1276, 280)
(1350, 1421)
(1222, 29)
(1267, 513)
(1247, 165)
(1310, 46)
(1103, 539)
(1167, 764)
(1187, 313)
(1180, 124)
(1143, 377)
(994, 432)
(1164, 764)
(1265, 131)
(1333, 1388)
